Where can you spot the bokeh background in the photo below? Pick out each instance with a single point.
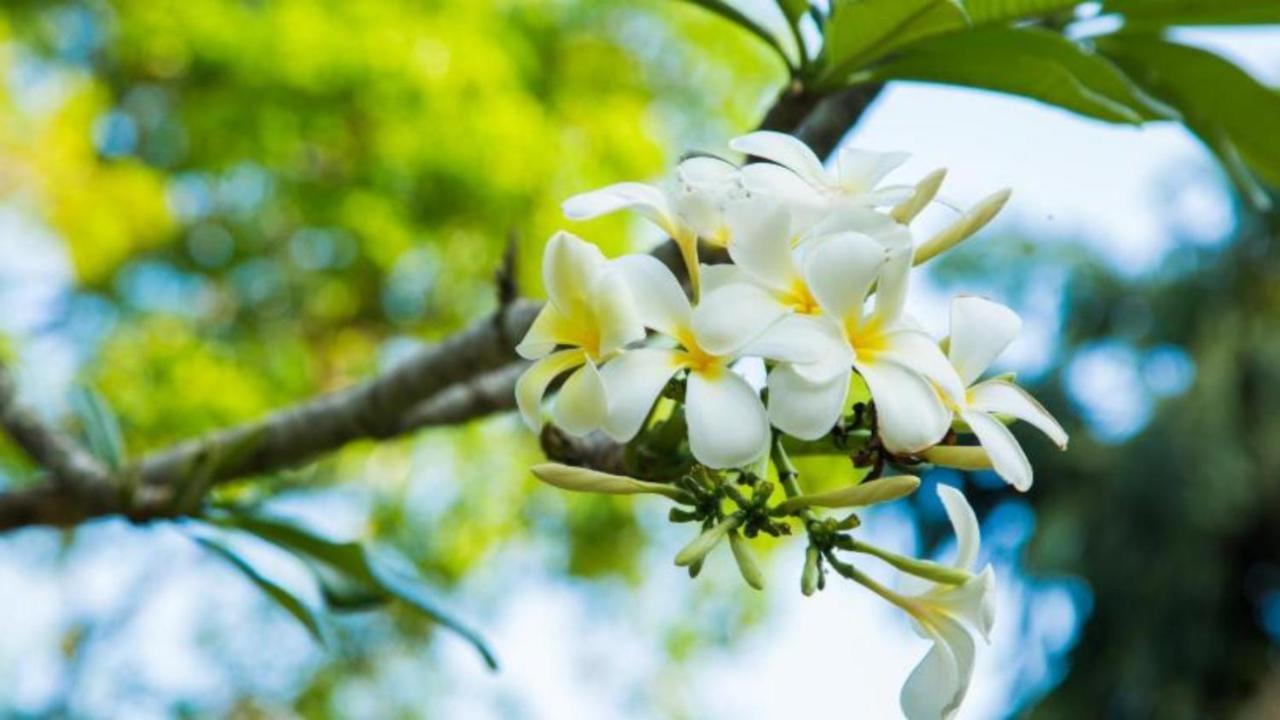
(213, 208)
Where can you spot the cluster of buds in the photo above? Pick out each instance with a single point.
(815, 293)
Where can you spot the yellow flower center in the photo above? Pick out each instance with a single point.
(868, 339)
(799, 299)
(695, 358)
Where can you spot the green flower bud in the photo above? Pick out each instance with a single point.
(578, 479)
(926, 190)
(868, 493)
(926, 569)
(695, 551)
(958, 457)
(970, 222)
(746, 561)
(809, 578)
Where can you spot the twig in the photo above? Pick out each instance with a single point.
(48, 446)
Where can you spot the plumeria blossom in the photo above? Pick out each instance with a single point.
(728, 426)
(590, 315)
(946, 613)
(816, 289)
(906, 373)
(686, 209)
(980, 331)
(796, 175)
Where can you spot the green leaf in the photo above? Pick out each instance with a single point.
(736, 16)
(1227, 108)
(295, 606)
(1157, 13)
(101, 427)
(793, 9)
(1031, 62)
(860, 31)
(359, 565)
(985, 12)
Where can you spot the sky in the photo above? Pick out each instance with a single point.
(563, 656)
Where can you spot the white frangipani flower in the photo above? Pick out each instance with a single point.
(944, 613)
(797, 176)
(686, 209)
(590, 314)
(980, 331)
(727, 423)
(901, 365)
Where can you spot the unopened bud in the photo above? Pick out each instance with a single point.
(809, 578)
(926, 569)
(746, 561)
(577, 479)
(926, 190)
(960, 457)
(868, 493)
(969, 222)
(697, 550)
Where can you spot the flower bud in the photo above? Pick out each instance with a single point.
(867, 493)
(969, 222)
(960, 457)
(578, 479)
(926, 569)
(695, 551)
(926, 190)
(746, 561)
(809, 578)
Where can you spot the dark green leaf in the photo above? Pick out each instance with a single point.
(984, 12)
(736, 16)
(1155, 13)
(360, 566)
(794, 9)
(1031, 62)
(860, 31)
(101, 426)
(1230, 110)
(300, 610)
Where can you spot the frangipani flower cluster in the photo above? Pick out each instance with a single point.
(815, 290)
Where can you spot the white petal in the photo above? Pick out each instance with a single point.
(714, 276)
(1005, 398)
(862, 170)
(909, 412)
(549, 329)
(1007, 457)
(618, 321)
(965, 524)
(916, 350)
(786, 151)
(815, 347)
(707, 171)
(972, 602)
(728, 427)
(854, 218)
(632, 382)
(659, 298)
(839, 271)
(569, 268)
(891, 290)
(647, 200)
(761, 245)
(734, 315)
(533, 384)
(980, 331)
(933, 683)
(701, 210)
(581, 405)
(803, 409)
(937, 686)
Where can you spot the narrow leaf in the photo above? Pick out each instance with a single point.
(1031, 62)
(101, 427)
(1157, 13)
(359, 565)
(736, 16)
(292, 604)
(985, 12)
